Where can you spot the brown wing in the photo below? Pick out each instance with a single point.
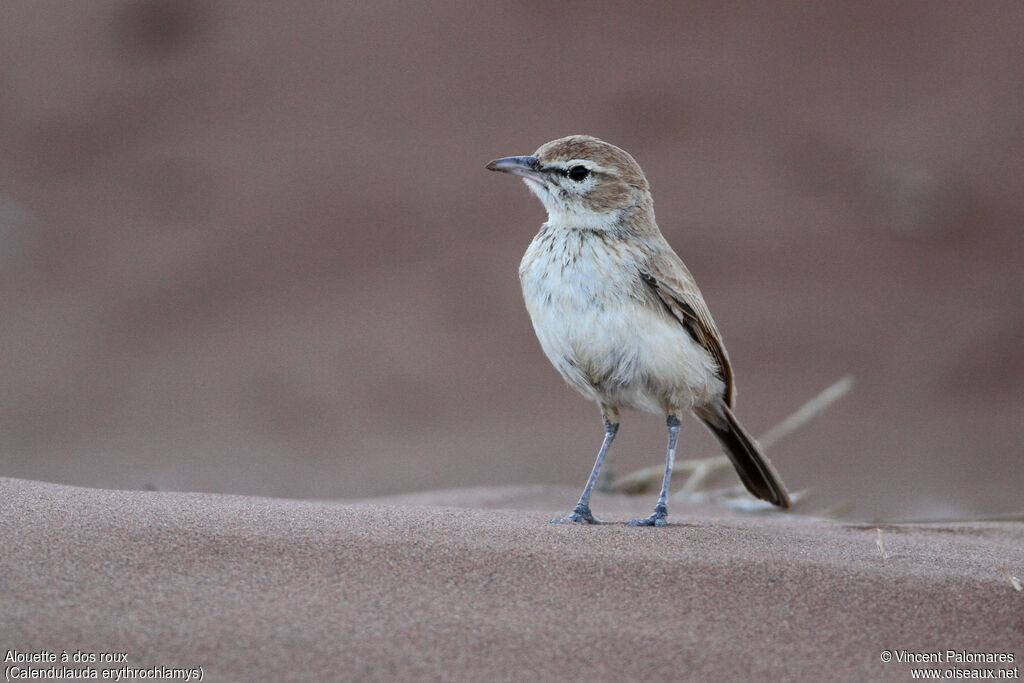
(683, 300)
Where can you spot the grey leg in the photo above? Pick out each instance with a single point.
(582, 513)
(660, 514)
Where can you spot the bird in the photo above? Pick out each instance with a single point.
(620, 316)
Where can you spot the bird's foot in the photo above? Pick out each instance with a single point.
(658, 518)
(580, 515)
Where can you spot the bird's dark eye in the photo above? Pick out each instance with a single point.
(577, 173)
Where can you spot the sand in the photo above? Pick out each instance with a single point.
(477, 585)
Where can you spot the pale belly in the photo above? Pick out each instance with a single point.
(608, 340)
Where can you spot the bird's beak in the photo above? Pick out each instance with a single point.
(521, 166)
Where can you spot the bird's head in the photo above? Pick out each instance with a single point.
(583, 182)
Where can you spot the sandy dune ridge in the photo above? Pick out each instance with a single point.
(419, 588)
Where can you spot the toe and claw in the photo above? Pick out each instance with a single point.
(580, 515)
(658, 518)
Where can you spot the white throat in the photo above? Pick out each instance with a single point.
(571, 215)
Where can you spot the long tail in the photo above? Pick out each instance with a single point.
(755, 471)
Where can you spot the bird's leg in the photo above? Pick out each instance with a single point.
(660, 514)
(581, 513)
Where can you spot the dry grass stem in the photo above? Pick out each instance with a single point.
(737, 498)
(1014, 581)
(806, 412)
(833, 512)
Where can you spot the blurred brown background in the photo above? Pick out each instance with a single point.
(251, 247)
